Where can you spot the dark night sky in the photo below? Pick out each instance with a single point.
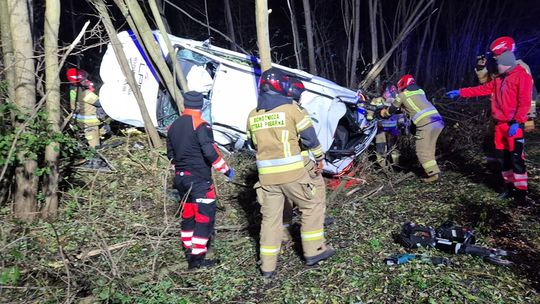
(453, 45)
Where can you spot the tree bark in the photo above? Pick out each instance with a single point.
(124, 65)
(172, 53)
(296, 36)
(263, 37)
(7, 50)
(419, 57)
(52, 85)
(410, 23)
(25, 204)
(230, 24)
(309, 34)
(348, 25)
(431, 45)
(356, 42)
(373, 9)
(161, 8)
(138, 23)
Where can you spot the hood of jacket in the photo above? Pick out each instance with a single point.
(270, 100)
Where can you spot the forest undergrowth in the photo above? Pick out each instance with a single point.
(117, 238)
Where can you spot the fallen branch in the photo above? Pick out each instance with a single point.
(371, 193)
(95, 252)
(378, 189)
(141, 229)
(113, 169)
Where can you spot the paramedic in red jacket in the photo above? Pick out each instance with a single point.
(191, 148)
(510, 102)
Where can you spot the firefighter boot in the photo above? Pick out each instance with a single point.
(314, 260)
(507, 192)
(431, 179)
(197, 261)
(267, 274)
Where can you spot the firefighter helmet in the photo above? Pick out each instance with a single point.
(274, 80)
(296, 88)
(501, 45)
(76, 76)
(405, 81)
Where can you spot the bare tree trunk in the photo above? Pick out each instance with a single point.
(124, 65)
(52, 85)
(230, 23)
(137, 22)
(207, 20)
(348, 25)
(25, 204)
(429, 56)
(373, 4)
(382, 31)
(172, 53)
(161, 8)
(421, 48)
(410, 23)
(7, 50)
(309, 34)
(356, 46)
(296, 36)
(263, 37)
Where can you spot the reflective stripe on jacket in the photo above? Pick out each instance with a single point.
(277, 134)
(417, 107)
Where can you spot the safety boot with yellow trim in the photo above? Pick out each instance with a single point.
(431, 179)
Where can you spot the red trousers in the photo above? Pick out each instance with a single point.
(511, 150)
(199, 212)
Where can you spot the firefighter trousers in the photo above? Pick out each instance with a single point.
(198, 212)
(88, 121)
(510, 150)
(385, 141)
(318, 181)
(304, 194)
(426, 141)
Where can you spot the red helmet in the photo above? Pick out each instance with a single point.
(76, 76)
(296, 88)
(274, 80)
(501, 45)
(405, 81)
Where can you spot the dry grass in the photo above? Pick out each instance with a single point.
(116, 239)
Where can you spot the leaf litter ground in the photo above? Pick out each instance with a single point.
(117, 238)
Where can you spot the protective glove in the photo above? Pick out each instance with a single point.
(381, 113)
(230, 175)
(529, 126)
(453, 94)
(513, 129)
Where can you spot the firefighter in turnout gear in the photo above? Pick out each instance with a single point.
(191, 148)
(277, 128)
(429, 123)
(387, 129)
(85, 102)
(510, 93)
(295, 90)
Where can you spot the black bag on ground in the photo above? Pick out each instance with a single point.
(414, 236)
(450, 231)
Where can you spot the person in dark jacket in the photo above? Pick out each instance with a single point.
(191, 148)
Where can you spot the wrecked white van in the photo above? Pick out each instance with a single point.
(229, 82)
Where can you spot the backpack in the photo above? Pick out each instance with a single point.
(415, 236)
